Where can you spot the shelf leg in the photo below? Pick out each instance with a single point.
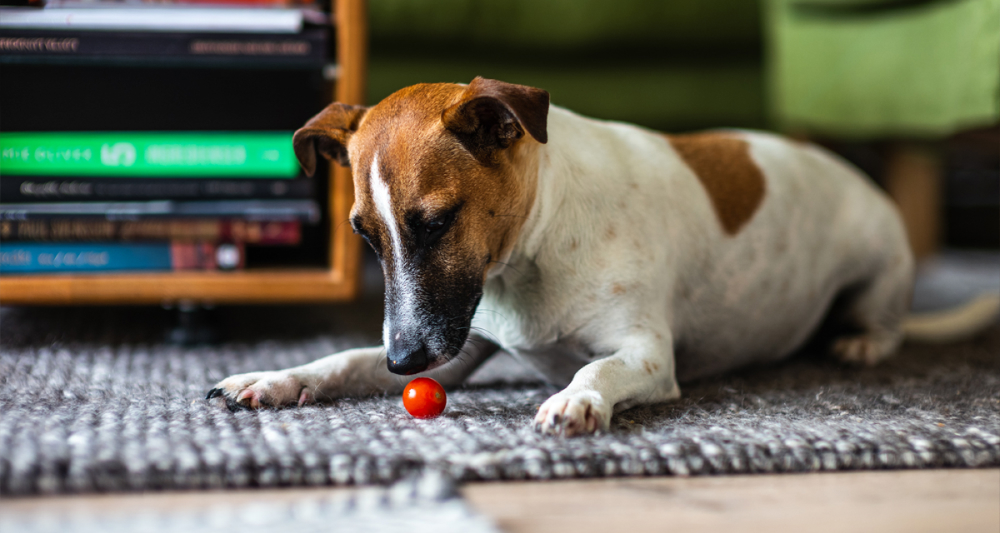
(195, 325)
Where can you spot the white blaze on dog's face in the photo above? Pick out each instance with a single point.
(443, 181)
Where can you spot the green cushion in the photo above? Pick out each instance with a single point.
(918, 69)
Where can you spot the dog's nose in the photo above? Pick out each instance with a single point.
(404, 363)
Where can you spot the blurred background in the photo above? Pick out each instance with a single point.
(155, 136)
(909, 90)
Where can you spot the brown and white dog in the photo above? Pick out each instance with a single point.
(613, 259)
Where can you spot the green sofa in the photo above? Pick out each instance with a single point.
(850, 69)
(878, 69)
(670, 65)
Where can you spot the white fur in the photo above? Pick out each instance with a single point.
(383, 204)
(623, 280)
(670, 278)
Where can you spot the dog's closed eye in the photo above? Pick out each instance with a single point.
(360, 230)
(428, 230)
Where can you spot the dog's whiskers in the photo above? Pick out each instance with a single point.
(494, 311)
(490, 336)
(508, 265)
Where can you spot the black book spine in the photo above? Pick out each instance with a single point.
(277, 210)
(305, 49)
(17, 189)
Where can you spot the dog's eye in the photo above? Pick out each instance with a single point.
(434, 229)
(429, 229)
(364, 235)
(434, 225)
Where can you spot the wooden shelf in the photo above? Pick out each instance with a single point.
(339, 282)
(262, 286)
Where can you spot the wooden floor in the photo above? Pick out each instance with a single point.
(906, 501)
(910, 501)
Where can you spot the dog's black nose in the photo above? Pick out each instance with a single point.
(406, 362)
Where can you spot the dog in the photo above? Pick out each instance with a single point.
(615, 260)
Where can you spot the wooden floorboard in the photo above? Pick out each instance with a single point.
(905, 501)
(888, 501)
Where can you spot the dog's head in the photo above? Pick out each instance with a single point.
(443, 183)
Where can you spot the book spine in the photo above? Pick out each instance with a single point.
(149, 154)
(15, 189)
(70, 257)
(272, 233)
(258, 210)
(33, 258)
(305, 49)
(206, 256)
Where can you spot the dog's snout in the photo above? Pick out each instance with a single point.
(408, 361)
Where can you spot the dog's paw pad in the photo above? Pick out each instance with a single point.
(573, 413)
(261, 389)
(862, 349)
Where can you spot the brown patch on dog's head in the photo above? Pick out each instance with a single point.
(444, 180)
(722, 162)
(492, 115)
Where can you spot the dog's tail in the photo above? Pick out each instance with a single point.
(954, 324)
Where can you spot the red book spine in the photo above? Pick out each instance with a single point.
(206, 256)
(286, 232)
(273, 233)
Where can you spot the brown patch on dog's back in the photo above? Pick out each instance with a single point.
(722, 162)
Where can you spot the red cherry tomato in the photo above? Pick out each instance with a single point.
(424, 398)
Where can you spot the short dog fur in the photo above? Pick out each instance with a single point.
(615, 260)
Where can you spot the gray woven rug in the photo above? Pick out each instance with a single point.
(93, 400)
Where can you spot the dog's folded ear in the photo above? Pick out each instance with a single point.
(328, 133)
(492, 115)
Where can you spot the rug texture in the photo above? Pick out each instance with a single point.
(94, 400)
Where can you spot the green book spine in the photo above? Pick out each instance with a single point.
(149, 154)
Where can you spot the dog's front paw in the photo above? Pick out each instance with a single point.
(573, 413)
(261, 389)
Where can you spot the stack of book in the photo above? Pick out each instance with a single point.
(157, 155)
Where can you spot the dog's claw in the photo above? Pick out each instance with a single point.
(233, 406)
(214, 393)
(573, 413)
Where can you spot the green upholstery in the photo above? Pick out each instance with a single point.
(840, 68)
(566, 24)
(670, 65)
(668, 97)
(872, 70)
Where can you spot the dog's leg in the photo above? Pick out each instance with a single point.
(351, 373)
(879, 309)
(641, 371)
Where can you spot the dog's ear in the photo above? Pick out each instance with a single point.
(328, 133)
(492, 115)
